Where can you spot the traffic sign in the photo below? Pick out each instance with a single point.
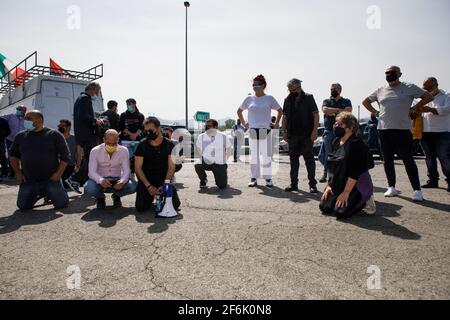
(202, 116)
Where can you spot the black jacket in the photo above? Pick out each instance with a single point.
(84, 121)
(114, 119)
(4, 129)
(133, 121)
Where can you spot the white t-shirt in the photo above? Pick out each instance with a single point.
(260, 110)
(213, 149)
(441, 121)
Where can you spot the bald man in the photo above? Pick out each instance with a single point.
(39, 156)
(109, 171)
(436, 133)
(394, 127)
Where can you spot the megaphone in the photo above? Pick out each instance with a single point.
(165, 201)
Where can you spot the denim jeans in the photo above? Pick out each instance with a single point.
(436, 145)
(93, 189)
(30, 192)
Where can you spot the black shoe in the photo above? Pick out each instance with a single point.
(291, 188)
(431, 185)
(204, 184)
(313, 190)
(101, 203)
(323, 179)
(117, 203)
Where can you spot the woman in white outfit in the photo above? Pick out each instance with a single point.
(260, 108)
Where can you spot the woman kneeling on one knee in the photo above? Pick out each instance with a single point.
(350, 186)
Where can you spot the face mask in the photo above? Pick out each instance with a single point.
(257, 88)
(18, 113)
(28, 125)
(94, 98)
(110, 149)
(391, 77)
(339, 132)
(130, 109)
(334, 93)
(62, 130)
(151, 136)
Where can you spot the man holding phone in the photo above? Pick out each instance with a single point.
(109, 171)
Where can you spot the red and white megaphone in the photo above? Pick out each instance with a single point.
(168, 210)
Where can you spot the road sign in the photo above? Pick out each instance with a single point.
(201, 116)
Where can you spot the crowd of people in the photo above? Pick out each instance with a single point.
(98, 157)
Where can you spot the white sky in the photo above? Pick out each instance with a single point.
(141, 44)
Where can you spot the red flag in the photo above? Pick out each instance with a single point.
(19, 76)
(55, 69)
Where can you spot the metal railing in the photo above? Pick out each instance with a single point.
(28, 69)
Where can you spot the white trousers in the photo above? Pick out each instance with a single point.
(261, 154)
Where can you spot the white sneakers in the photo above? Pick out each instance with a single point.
(392, 192)
(371, 207)
(418, 196)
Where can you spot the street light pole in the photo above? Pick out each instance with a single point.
(187, 5)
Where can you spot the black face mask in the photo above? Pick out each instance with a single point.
(151, 136)
(62, 130)
(339, 132)
(391, 77)
(334, 93)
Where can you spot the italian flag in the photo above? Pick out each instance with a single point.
(4, 69)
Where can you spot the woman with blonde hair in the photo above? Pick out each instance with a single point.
(350, 187)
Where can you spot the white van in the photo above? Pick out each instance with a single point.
(53, 95)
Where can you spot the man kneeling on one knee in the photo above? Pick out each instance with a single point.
(109, 171)
(215, 149)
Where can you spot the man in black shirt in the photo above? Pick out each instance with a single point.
(131, 121)
(154, 164)
(300, 124)
(85, 124)
(112, 115)
(39, 156)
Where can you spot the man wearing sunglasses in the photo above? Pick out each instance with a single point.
(394, 127)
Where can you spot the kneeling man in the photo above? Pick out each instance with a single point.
(109, 171)
(215, 149)
(39, 156)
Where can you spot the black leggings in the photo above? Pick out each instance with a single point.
(329, 206)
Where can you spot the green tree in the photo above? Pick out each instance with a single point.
(230, 123)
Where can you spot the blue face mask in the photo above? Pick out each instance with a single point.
(130, 109)
(28, 125)
(18, 113)
(94, 98)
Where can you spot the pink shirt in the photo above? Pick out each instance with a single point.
(101, 165)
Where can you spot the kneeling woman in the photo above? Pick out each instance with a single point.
(349, 186)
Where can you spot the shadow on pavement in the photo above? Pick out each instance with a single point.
(108, 217)
(379, 222)
(227, 193)
(298, 197)
(427, 203)
(159, 225)
(27, 218)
